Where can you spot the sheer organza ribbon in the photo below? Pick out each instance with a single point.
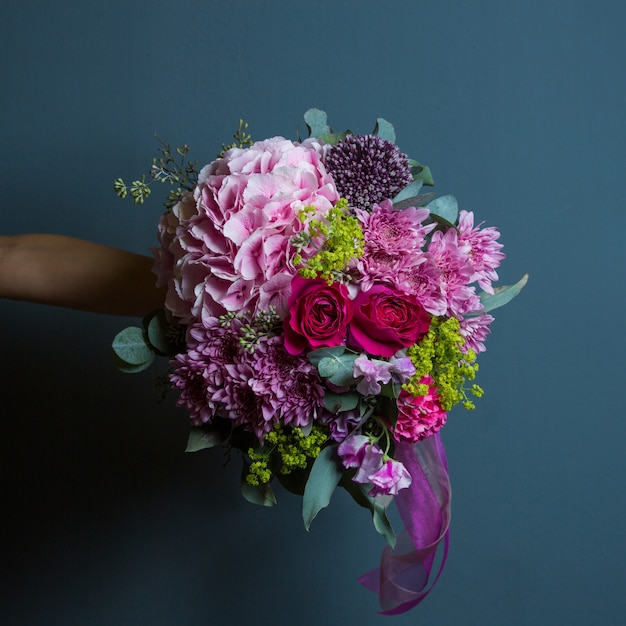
(402, 580)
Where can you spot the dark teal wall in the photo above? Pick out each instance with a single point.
(519, 109)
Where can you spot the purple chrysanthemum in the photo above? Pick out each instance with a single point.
(287, 387)
(367, 170)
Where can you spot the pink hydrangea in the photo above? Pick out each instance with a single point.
(228, 247)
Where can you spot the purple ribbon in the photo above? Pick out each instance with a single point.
(401, 581)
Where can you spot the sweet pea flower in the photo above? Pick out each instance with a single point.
(373, 372)
(389, 479)
(359, 451)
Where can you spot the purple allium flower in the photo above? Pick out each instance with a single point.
(367, 169)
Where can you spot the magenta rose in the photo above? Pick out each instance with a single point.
(386, 320)
(318, 316)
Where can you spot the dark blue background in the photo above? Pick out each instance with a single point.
(519, 109)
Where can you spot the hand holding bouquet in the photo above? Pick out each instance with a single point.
(328, 318)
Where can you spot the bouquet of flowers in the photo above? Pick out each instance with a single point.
(323, 316)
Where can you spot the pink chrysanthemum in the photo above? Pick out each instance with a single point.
(393, 241)
(484, 251)
(475, 330)
(452, 258)
(419, 416)
(423, 281)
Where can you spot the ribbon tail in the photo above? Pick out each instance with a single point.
(402, 580)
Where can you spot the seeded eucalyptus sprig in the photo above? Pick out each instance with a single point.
(241, 137)
(170, 167)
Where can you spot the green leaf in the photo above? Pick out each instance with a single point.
(157, 329)
(417, 201)
(260, 494)
(338, 369)
(446, 207)
(204, 437)
(338, 402)
(295, 481)
(323, 480)
(317, 355)
(131, 347)
(316, 121)
(127, 368)
(421, 172)
(384, 130)
(410, 191)
(334, 138)
(382, 524)
(378, 510)
(502, 295)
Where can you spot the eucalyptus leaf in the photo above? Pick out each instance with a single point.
(295, 481)
(502, 295)
(317, 355)
(416, 201)
(446, 207)
(338, 369)
(384, 130)
(339, 402)
(410, 191)
(127, 368)
(421, 172)
(382, 524)
(157, 329)
(334, 138)
(317, 123)
(131, 347)
(375, 505)
(323, 479)
(204, 437)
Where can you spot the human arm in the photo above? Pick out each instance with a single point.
(78, 274)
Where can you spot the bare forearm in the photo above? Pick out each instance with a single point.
(78, 274)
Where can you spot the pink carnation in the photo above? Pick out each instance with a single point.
(419, 416)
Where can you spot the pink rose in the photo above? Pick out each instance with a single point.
(386, 320)
(419, 416)
(319, 315)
